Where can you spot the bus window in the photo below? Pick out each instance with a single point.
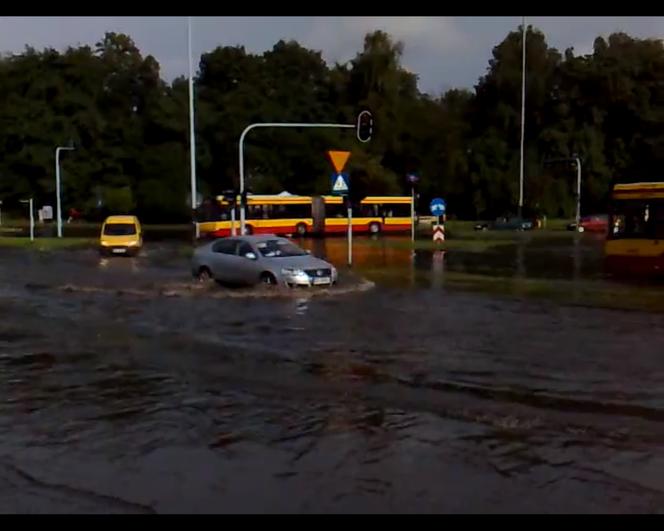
(291, 211)
(658, 220)
(213, 211)
(335, 210)
(630, 220)
(369, 211)
(398, 210)
(255, 212)
(278, 211)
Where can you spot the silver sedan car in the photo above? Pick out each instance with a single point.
(268, 259)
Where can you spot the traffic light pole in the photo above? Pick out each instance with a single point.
(578, 191)
(412, 214)
(350, 233)
(264, 125)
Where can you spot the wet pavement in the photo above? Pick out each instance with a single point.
(121, 396)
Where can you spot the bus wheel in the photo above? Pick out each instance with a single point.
(301, 229)
(248, 230)
(374, 228)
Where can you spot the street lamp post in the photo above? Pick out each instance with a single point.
(32, 218)
(57, 186)
(578, 191)
(192, 132)
(523, 112)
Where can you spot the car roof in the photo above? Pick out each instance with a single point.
(121, 219)
(258, 238)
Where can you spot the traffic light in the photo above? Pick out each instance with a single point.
(364, 126)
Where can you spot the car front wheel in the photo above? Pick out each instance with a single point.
(204, 275)
(268, 279)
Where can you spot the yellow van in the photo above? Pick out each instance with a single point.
(121, 235)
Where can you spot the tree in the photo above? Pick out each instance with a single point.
(130, 128)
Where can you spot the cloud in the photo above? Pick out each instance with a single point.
(584, 48)
(443, 51)
(342, 37)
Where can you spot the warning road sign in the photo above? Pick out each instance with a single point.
(339, 183)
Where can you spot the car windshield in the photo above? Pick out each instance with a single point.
(119, 229)
(279, 249)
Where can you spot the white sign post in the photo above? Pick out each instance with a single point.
(350, 234)
(438, 208)
(32, 218)
(340, 186)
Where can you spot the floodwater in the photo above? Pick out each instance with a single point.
(126, 389)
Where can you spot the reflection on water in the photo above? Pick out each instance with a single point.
(120, 263)
(437, 268)
(396, 399)
(368, 252)
(520, 257)
(301, 306)
(576, 258)
(384, 402)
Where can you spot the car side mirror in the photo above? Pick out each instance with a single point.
(250, 256)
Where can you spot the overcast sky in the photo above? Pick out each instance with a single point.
(444, 52)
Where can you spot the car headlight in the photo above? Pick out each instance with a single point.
(293, 272)
(334, 272)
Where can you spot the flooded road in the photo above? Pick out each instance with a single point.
(119, 396)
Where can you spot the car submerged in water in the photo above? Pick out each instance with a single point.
(266, 259)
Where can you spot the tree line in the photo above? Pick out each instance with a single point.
(130, 127)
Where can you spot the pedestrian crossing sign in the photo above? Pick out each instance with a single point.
(339, 183)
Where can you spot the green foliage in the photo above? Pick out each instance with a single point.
(118, 200)
(130, 128)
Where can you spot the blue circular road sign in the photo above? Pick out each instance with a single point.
(438, 207)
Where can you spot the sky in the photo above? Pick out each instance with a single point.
(445, 52)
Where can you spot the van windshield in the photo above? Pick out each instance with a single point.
(119, 229)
